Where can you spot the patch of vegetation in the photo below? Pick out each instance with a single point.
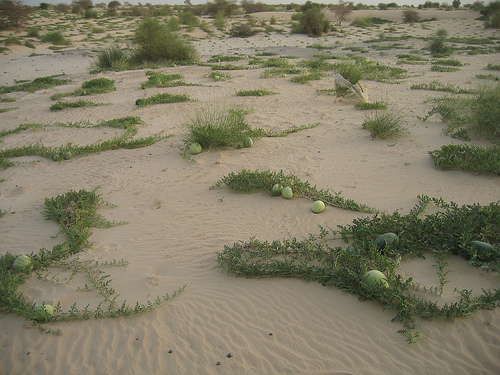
(162, 98)
(275, 63)
(369, 70)
(76, 213)
(478, 114)
(60, 105)
(219, 76)
(440, 68)
(448, 62)
(255, 92)
(40, 83)
(411, 59)
(243, 30)
(128, 124)
(439, 86)
(386, 124)
(410, 16)
(438, 47)
(55, 37)
(307, 77)
(439, 235)
(270, 73)
(374, 105)
(220, 58)
(248, 181)
(317, 64)
(494, 77)
(491, 66)
(8, 109)
(475, 159)
(158, 79)
(228, 67)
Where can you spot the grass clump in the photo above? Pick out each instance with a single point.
(386, 124)
(162, 98)
(255, 92)
(252, 181)
(112, 58)
(491, 66)
(218, 125)
(477, 114)
(275, 72)
(475, 159)
(307, 77)
(55, 37)
(439, 86)
(315, 258)
(219, 76)
(155, 43)
(76, 214)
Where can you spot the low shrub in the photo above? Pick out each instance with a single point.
(475, 159)
(386, 124)
(113, 58)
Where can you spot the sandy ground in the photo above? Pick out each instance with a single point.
(176, 225)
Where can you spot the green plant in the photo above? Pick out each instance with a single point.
(438, 47)
(60, 105)
(242, 30)
(96, 86)
(478, 113)
(386, 124)
(155, 43)
(491, 66)
(158, 79)
(410, 16)
(307, 77)
(219, 76)
(76, 213)
(37, 84)
(162, 98)
(113, 58)
(247, 181)
(218, 125)
(439, 86)
(255, 92)
(374, 105)
(54, 37)
(474, 159)
(438, 235)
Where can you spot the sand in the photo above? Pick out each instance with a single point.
(176, 224)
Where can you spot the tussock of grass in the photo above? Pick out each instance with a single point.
(162, 98)
(374, 105)
(439, 86)
(262, 92)
(158, 79)
(386, 124)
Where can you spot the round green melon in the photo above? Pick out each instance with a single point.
(287, 192)
(247, 142)
(387, 239)
(57, 157)
(195, 148)
(375, 279)
(23, 263)
(67, 155)
(483, 250)
(317, 207)
(139, 101)
(44, 312)
(277, 189)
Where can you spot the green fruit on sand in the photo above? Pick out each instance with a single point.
(375, 279)
(277, 189)
(247, 142)
(287, 192)
(44, 312)
(195, 148)
(67, 155)
(23, 263)
(387, 239)
(57, 157)
(318, 206)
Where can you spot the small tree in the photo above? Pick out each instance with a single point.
(113, 4)
(13, 14)
(342, 10)
(410, 16)
(314, 22)
(456, 4)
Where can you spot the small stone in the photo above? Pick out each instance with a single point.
(229, 355)
(217, 364)
(170, 351)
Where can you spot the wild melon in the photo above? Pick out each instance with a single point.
(318, 206)
(247, 142)
(44, 312)
(387, 239)
(375, 279)
(483, 250)
(195, 148)
(277, 189)
(23, 263)
(287, 192)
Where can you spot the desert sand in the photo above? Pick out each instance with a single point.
(176, 224)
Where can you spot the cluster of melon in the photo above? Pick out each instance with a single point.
(63, 155)
(24, 263)
(287, 193)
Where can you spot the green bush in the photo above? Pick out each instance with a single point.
(474, 159)
(155, 43)
(386, 124)
(410, 16)
(244, 30)
(54, 37)
(314, 22)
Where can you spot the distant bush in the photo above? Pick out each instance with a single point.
(243, 30)
(410, 16)
(13, 14)
(154, 43)
(314, 22)
(113, 58)
(54, 37)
